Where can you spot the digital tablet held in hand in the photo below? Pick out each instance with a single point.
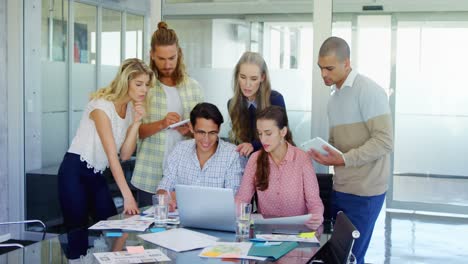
(317, 144)
(181, 123)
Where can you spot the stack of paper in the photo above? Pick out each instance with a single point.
(297, 238)
(180, 239)
(290, 220)
(149, 255)
(233, 250)
(134, 223)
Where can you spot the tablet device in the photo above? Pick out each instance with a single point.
(317, 144)
(181, 123)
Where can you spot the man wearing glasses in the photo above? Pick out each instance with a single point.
(205, 160)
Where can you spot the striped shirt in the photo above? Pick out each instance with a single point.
(150, 153)
(222, 170)
(361, 127)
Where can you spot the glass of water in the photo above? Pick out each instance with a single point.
(243, 211)
(161, 207)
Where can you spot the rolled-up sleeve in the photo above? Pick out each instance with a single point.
(311, 189)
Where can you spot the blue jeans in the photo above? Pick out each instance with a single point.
(81, 192)
(363, 212)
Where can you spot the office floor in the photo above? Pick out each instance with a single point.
(410, 238)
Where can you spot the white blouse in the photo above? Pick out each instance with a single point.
(87, 143)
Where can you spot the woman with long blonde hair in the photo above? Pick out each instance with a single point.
(252, 93)
(108, 131)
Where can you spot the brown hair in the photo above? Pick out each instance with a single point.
(277, 114)
(164, 36)
(241, 130)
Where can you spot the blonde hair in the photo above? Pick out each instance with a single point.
(241, 130)
(118, 88)
(167, 37)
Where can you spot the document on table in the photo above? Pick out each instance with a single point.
(231, 250)
(280, 237)
(180, 239)
(149, 255)
(290, 220)
(134, 223)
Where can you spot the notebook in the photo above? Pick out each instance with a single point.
(275, 251)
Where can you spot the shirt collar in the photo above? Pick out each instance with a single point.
(249, 103)
(348, 82)
(194, 150)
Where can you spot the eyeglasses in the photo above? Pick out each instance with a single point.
(211, 134)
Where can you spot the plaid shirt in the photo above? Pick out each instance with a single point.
(223, 170)
(150, 154)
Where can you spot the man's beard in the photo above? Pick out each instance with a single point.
(167, 75)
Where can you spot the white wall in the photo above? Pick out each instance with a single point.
(230, 39)
(3, 117)
(195, 41)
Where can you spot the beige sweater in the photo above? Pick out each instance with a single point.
(361, 127)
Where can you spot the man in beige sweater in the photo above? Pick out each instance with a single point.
(360, 127)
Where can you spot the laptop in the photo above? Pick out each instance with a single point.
(206, 207)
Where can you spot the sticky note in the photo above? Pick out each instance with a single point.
(135, 249)
(157, 229)
(113, 234)
(307, 235)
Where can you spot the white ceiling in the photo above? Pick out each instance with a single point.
(242, 7)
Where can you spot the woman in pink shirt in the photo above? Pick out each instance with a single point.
(280, 173)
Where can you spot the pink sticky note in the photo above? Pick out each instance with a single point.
(137, 249)
(231, 255)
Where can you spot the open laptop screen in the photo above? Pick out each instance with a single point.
(206, 207)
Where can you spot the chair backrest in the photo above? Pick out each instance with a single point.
(325, 182)
(338, 249)
(342, 239)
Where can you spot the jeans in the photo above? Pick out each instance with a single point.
(82, 193)
(362, 211)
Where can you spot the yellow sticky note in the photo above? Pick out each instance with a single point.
(137, 249)
(211, 254)
(307, 235)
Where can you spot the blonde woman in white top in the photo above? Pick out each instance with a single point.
(108, 130)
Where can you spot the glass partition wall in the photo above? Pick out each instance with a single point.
(212, 47)
(407, 54)
(430, 168)
(80, 43)
(415, 53)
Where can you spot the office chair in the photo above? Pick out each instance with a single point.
(325, 182)
(14, 243)
(338, 249)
